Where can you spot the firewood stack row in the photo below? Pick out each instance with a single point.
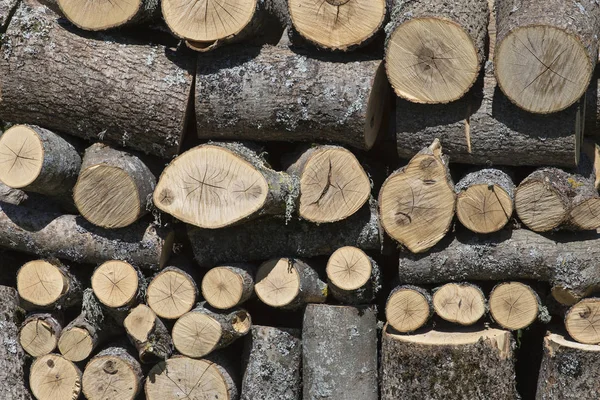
(299, 199)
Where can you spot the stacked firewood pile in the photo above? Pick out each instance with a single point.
(198, 199)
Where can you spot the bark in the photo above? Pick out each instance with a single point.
(12, 356)
(7, 8)
(155, 344)
(363, 295)
(70, 237)
(459, 365)
(339, 347)
(11, 196)
(80, 94)
(48, 324)
(272, 364)
(341, 99)
(271, 237)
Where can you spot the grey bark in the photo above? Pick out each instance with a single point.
(487, 176)
(303, 99)
(12, 356)
(70, 237)
(246, 272)
(339, 347)
(109, 368)
(157, 346)
(225, 318)
(272, 364)
(11, 196)
(7, 8)
(364, 294)
(82, 94)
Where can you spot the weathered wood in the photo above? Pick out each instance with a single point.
(352, 276)
(12, 196)
(39, 333)
(112, 373)
(148, 334)
(53, 377)
(228, 286)
(98, 16)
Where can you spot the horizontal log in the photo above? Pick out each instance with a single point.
(148, 334)
(39, 333)
(98, 16)
(54, 377)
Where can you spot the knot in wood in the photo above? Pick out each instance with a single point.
(109, 367)
(337, 2)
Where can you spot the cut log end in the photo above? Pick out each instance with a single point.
(583, 321)
(539, 206)
(75, 344)
(111, 377)
(41, 283)
(277, 282)
(99, 15)
(586, 215)
(407, 309)
(337, 24)
(222, 288)
(115, 283)
(463, 304)
(39, 335)
(349, 268)
(171, 294)
(53, 377)
(431, 60)
(514, 305)
(484, 208)
(21, 156)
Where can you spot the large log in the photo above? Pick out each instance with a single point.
(434, 50)
(96, 16)
(144, 110)
(53, 377)
(342, 99)
(470, 364)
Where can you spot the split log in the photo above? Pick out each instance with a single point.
(196, 379)
(114, 187)
(333, 184)
(148, 334)
(514, 305)
(97, 16)
(583, 316)
(546, 52)
(417, 202)
(337, 24)
(219, 184)
(352, 276)
(145, 112)
(434, 50)
(342, 99)
(289, 283)
(7, 8)
(12, 357)
(39, 334)
(204, 330)
(408, 308)
(569, 370)
(171, 293)
(47, 285)
(70, 237)
(485, 198)
(37, 160)
(119, 286)
(567, 262)
(448, 365)
(460, 303)
(228, 286)
(86, 332)
(12, 196)
(53, 377)
(339, 353)
(112, 374)
(254, 242)
(278, 351)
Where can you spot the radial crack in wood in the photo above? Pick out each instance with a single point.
(53, 377)
(460, 303)
(171, 293)
(112, 374)
(227, 286)
(514, 305)
(94, 15)
(39, 334)
(47, 284)
(115, 283)
(352, 276)
(583, 321)
(408, 308)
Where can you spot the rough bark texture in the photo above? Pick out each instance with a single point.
(487, 176)
(128, 95)
(11, 196)
(272, 364)
(273, 237)
(7, 8)
(156, 346)
(568, 262)
(480, 370)
(339, 347)
(363, 295)
(70, 237)
(12, 356)
(302, 99)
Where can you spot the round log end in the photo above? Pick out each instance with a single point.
(38, 337)
(586, 215)
(459, 303)
(52, 377)
(514, 305)
(99, 15)
(407, 309)
(484, 208)
(109, 376)
(171, 294)
(41, 283)
(277, 282)
(21, 156)
(539, 206)
(583, 321)
(115, 283)
(222, 288)
(75, 344)
(349, 268)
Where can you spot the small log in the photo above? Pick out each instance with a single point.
(417, 202)
(35, 232)
(203, 330)
(569, 370)
(583, 316)
(145, 112)
(546, 52)
(12, 196)
(219, 184)
(289, 283)
(114, 187)
(278, 351)
(459, 303)
(228, 286)
(53, 377)
(514, 305)
(171, 293)
(434, 50)
(435, 365)
(119, 286)
(112, 374)
(39, 334)
(98, 16)
(343, 99)
(352, 276)
(408, 308)
(254, 242)
(485, 200)
(196, 379)
(333, 184)
(47, 285)
(148, 334)
(339, 353)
